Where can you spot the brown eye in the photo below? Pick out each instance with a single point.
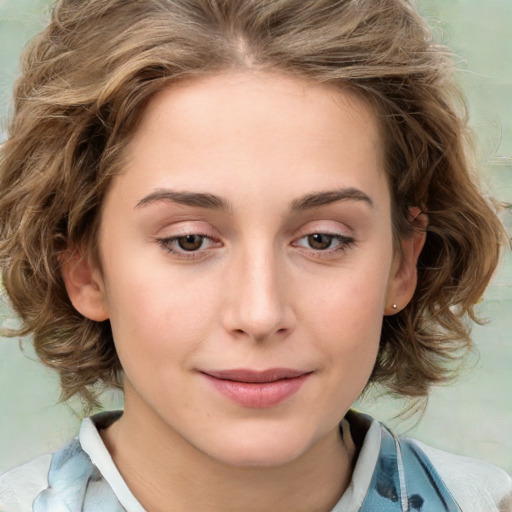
(320, 241)
(190, 242)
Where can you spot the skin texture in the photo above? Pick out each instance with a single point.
(255, 290)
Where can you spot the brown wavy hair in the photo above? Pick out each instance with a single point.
(86, 79)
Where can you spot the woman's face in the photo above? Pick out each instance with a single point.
(247, 263)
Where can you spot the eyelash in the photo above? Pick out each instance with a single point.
(167, 245)
(344, 242)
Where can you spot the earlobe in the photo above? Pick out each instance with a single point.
(84, 284)
(404, 274)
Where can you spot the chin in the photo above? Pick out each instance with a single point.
(259, 458)
(271, 450)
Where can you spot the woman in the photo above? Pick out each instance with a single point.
(243, 213)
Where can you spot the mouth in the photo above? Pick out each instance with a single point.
(257, 389)
(255, 377)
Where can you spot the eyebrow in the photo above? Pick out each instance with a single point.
(198, 199)
(310, 201)
(214, 202)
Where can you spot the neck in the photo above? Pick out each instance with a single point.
(160, 468)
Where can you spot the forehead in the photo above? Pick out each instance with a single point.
(259, 101)
(248, 132)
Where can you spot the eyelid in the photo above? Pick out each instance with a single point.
(339, 231)
(344, 241)
(166, 245)
(182, 230)
(324, 224)
(182, 227)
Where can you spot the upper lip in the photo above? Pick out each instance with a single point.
(255, 376)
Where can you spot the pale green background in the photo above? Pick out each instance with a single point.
(473, 417)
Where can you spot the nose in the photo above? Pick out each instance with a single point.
(257, 298)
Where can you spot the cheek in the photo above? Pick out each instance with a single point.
(355, 297)
(346, 315)
(149, 309)
(345, 327)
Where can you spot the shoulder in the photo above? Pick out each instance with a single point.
(20, 486)
(476, 485)
(48, 482)
(79, 476)
(408, 471)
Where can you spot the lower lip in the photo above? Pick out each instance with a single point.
(261, 394)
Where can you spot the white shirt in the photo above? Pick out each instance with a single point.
(83, 477)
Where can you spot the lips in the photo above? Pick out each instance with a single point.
(257, 389)
(252, 376)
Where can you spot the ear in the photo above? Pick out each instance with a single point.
(84, 284)
(404, 274)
